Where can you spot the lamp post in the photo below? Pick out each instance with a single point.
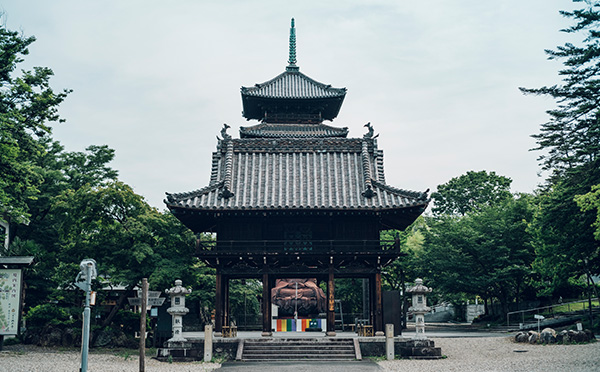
(84, 282)
(178, 309)
(419, 306)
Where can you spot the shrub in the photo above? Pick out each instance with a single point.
(43, 315)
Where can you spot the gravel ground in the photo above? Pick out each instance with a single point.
(501, 354)
(493, 354)
(36, 359)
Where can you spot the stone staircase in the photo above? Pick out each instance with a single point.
(298, 349)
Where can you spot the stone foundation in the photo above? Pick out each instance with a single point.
(193, 350)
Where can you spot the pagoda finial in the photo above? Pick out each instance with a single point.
(292, 60)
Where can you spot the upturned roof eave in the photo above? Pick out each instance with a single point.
(247, 91)
(260, 209)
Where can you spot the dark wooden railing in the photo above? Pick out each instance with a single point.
(298, 246)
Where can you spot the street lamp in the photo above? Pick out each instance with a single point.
(84, 282)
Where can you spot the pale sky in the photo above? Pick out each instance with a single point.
(438, 79)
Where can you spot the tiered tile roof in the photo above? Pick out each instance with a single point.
(268, 130)
(293, 85)
(264, 174)
(298, 164)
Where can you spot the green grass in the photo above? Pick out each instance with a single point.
(572, 307)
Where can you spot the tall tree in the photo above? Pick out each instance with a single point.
(570, 142)
(27, 105)
(485, 253)
(572, 136)
(471, 192)
(591, 202)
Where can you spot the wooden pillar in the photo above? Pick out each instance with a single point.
(225, 300)
(378, 323)
(330, 302)
(372, 300)
(266, 305)
(219, 305)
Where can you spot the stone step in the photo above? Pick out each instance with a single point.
(299, 349)
(297, 360)
(304, 351)
(303, 340)
(271, 346)
(300, 357)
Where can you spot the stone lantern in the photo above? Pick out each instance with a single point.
(178, 309)
(419, 306)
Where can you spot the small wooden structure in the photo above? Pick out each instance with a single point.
(296, 198)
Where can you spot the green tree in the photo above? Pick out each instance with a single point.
(570, 141)
(591, 202)
(563, 237)
(27, 105)
(129, 239)
(572, 136)
(485, 253)
(470, 192)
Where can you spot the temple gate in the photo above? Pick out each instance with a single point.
(296, 198)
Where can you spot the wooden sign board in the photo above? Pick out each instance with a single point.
(10, 301)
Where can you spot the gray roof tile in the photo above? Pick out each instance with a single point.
(293, 84)
(297, 173)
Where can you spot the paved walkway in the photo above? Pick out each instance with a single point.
(362, 366)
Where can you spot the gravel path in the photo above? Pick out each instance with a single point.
(501, 354)
(484, 354)
(37, 359)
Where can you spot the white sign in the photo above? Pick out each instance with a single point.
(137, 301)
(539, 317)
(10, 300)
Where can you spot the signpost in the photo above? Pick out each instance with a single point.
(146, 299)
(143, 325)
(539, 319)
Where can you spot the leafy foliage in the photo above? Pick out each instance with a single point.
(590, 202)
(471, 192)
(564, 242)
(572, 136)
(485, 253)
(27, 105)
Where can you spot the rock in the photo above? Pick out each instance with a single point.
(522, 337)
(562, 337)
(121, 340)
(579, 336)
(533, 337)
(69, 337)
(548, 336)
(52, 337)
(102, 338)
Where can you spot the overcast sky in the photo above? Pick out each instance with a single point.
(438, 79)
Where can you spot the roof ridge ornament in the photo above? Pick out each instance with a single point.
(292, 59)
(368, 193)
